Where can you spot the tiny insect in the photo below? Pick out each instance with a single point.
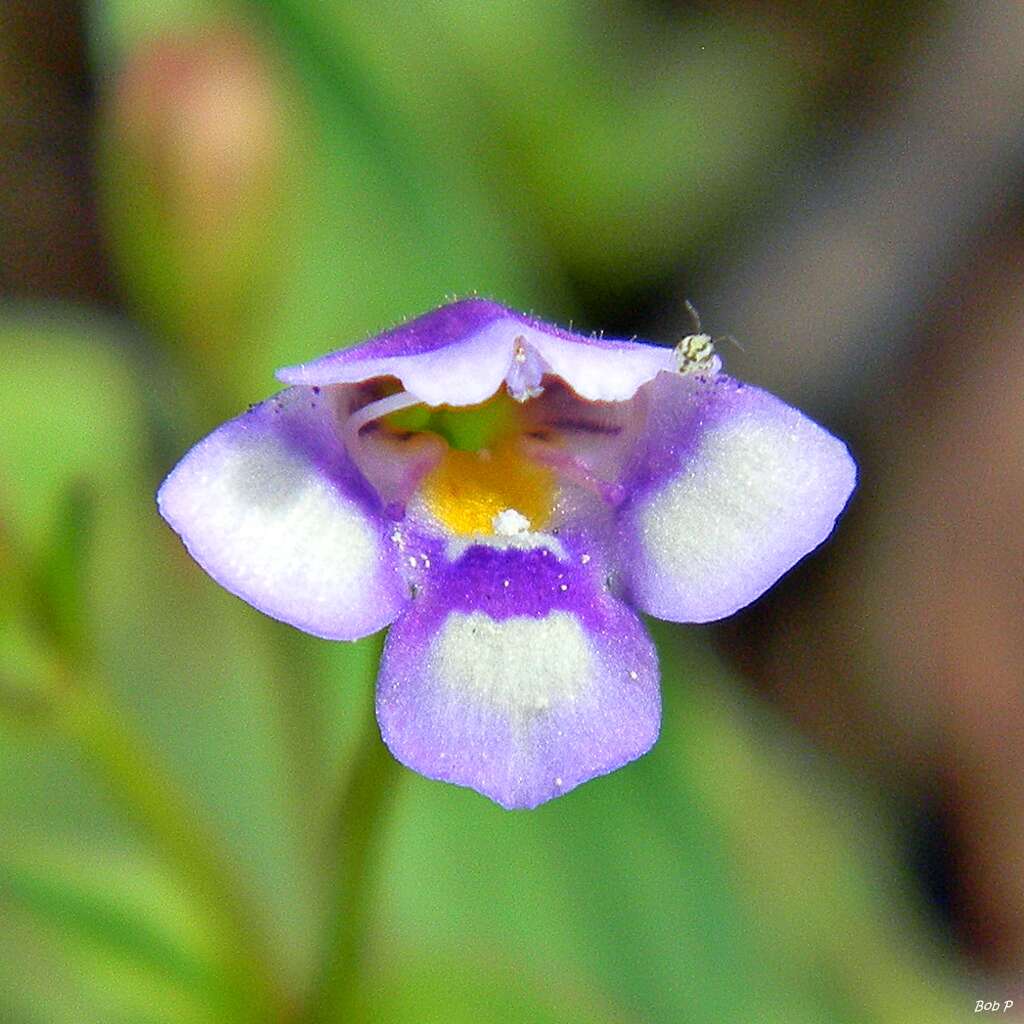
(695, 353)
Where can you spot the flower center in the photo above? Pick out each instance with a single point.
(465, 428)
(471, 491)
(487, 469)
(483, 475)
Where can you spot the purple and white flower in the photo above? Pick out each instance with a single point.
(504, 493)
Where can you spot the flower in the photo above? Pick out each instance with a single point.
(503, 493)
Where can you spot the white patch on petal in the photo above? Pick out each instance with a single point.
(747, 497)
(262, 520)
(520, 665)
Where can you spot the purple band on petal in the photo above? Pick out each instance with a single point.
(272, 507)
(504, 583)
(729, 488)
(519, 676)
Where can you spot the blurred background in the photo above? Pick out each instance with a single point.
(197, 822)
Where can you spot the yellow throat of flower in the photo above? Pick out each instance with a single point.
(467, 490)
(484, 472)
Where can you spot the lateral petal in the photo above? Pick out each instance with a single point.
(730, 487)
(271, 506)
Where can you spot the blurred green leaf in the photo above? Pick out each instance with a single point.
(829, 906)
(451, 991)
(37, 985)
(25, 661)
(68, 412)
(617, 140)
(197, 669)
(60, 575)
(126, 924)
(70, 416)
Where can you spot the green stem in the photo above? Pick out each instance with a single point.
(338, 995)
(122, 758)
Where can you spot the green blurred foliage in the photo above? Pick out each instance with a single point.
(381, 159)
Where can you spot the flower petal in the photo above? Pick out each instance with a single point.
(519, 676)
(732, 487)
(272, 508)
(461, 353)
(600, 369)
